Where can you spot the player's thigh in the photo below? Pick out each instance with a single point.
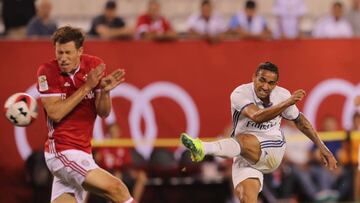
(247, 190)
(64, 184)
(101, 182)
(242, 171)
(250, 147)
(65, 198)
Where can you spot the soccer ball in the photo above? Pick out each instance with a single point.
(21, 109)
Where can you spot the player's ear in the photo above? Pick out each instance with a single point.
(80, 50)
(254, 77)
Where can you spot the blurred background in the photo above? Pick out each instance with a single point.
(182, 59)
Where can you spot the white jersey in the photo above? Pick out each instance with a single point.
(243, 96)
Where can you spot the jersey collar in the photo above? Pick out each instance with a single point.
(76, 70)
(72, 74)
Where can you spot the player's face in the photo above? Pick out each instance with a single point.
(264, 82)
(68, 56)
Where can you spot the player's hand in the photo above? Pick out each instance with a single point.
(112, 80)
(328, 159)
(298, 95)
(94, 76)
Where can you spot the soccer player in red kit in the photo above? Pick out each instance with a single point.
(74, 90)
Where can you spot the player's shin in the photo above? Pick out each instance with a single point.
(228, 147)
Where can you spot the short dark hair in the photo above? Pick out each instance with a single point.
(269, 67)
(67, 34)
(250, 4)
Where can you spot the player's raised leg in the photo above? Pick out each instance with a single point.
(243, 144)
(102, 183)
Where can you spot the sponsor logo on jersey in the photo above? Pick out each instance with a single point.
(261, 126)
(43, 85)
(66, 84)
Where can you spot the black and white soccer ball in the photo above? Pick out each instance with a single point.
(21, 109)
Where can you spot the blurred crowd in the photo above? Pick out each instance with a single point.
(32, 18)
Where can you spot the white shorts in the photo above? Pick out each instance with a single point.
(272, 153)
(69, 168)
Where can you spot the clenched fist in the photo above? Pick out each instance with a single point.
(296, 96)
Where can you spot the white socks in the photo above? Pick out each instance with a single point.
(131, 200)
(228, 147)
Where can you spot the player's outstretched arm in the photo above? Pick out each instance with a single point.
(57, 109)
(305, 127)
(261, 115)
(103, 100)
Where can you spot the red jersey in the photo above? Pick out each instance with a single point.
(75, 130)
(146, 24)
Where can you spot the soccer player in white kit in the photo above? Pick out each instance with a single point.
(257, 145)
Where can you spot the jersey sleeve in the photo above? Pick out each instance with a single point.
(292, 112)
(240, 98)
(47, 84)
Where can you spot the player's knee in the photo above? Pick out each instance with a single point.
(247, 199)
(238, 191)
(116, 187)
(118, 192)
(245, 196)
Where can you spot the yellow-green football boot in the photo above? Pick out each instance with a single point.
(195, 146)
